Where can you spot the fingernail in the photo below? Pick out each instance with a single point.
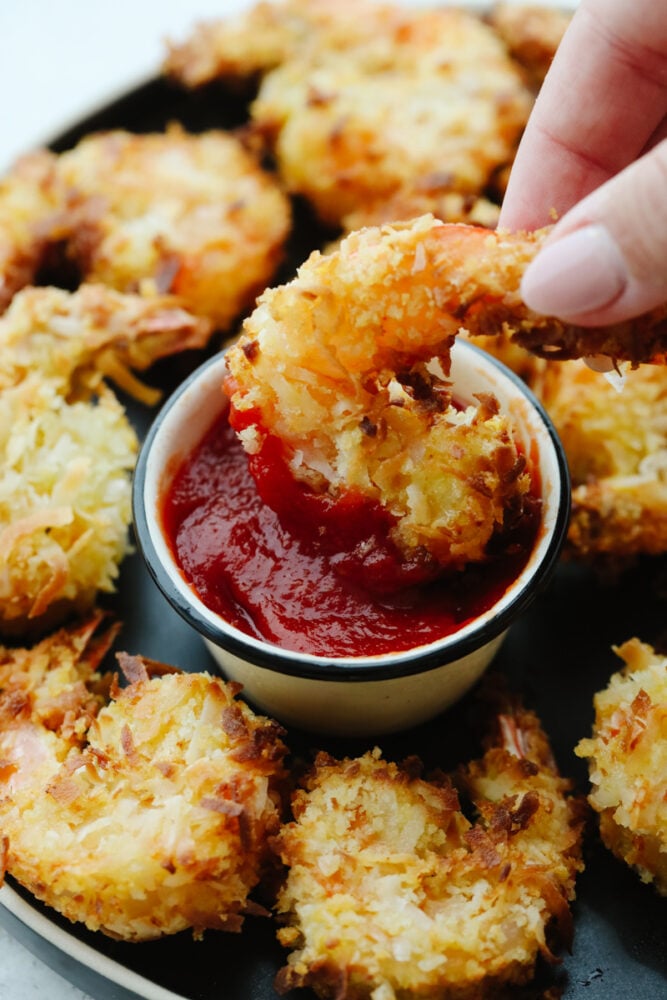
(576, 274)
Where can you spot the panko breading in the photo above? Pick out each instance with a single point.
(338, 366)
(627, 757)
(360, 100)
(392, 892)
(193, 215)
(532, 35)
(67, 449)
(157, 817)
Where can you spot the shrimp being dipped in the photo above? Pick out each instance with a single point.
(193, 215)
(341, 377)
(627, 755)
(361, 100)
(392, 892)
(142, 816)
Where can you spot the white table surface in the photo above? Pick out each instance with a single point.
(60, 59)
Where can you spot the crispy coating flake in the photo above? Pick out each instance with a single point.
(193, 215)
(156, 817)
(346, 366)
(627, 757)
(392, 892)
(360, 100)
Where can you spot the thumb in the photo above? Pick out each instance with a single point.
(606, 260)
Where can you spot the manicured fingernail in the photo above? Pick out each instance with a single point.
(583, 271)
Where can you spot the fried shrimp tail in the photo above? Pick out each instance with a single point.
(627, 758)
(392, 892)
(156, 818)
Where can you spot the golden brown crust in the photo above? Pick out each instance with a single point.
(161, 802)
(392, 892)
(193, 215)
(363, 101)
(67, 449)
(627, 756)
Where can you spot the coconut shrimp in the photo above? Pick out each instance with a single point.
(76, 337)
(391, 891)
(67, 449)
(616, 447)
(627, 755)
(193, 215)
(361, 100)
(346, 368)
(142, 815)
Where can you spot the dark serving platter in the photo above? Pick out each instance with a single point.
(556, 656)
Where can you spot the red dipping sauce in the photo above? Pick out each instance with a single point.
(244, 564)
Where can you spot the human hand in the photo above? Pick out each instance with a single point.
(594, 155)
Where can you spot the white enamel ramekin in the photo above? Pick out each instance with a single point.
(365, 695)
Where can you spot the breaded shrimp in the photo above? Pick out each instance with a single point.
(157, 817)
(193, 215)
(532, 35)
(392, 892)
(344, 372)
(627, 756)
(360, 100)
(67, 449)
(74, 337)
(616, 447)
(65, 501)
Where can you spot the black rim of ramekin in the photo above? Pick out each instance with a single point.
(421, 659)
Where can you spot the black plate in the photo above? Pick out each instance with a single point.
(557, 656)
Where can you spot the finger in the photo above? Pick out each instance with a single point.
(602, 100)
(606, 261)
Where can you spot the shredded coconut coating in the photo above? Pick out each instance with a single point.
(157, 818)
(363, 99)
(67, 449)
(65, 500)
(193, 215)
(616, 447)
(392, 892)
(627, 757)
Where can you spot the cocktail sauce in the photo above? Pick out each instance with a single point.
(270, 578)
